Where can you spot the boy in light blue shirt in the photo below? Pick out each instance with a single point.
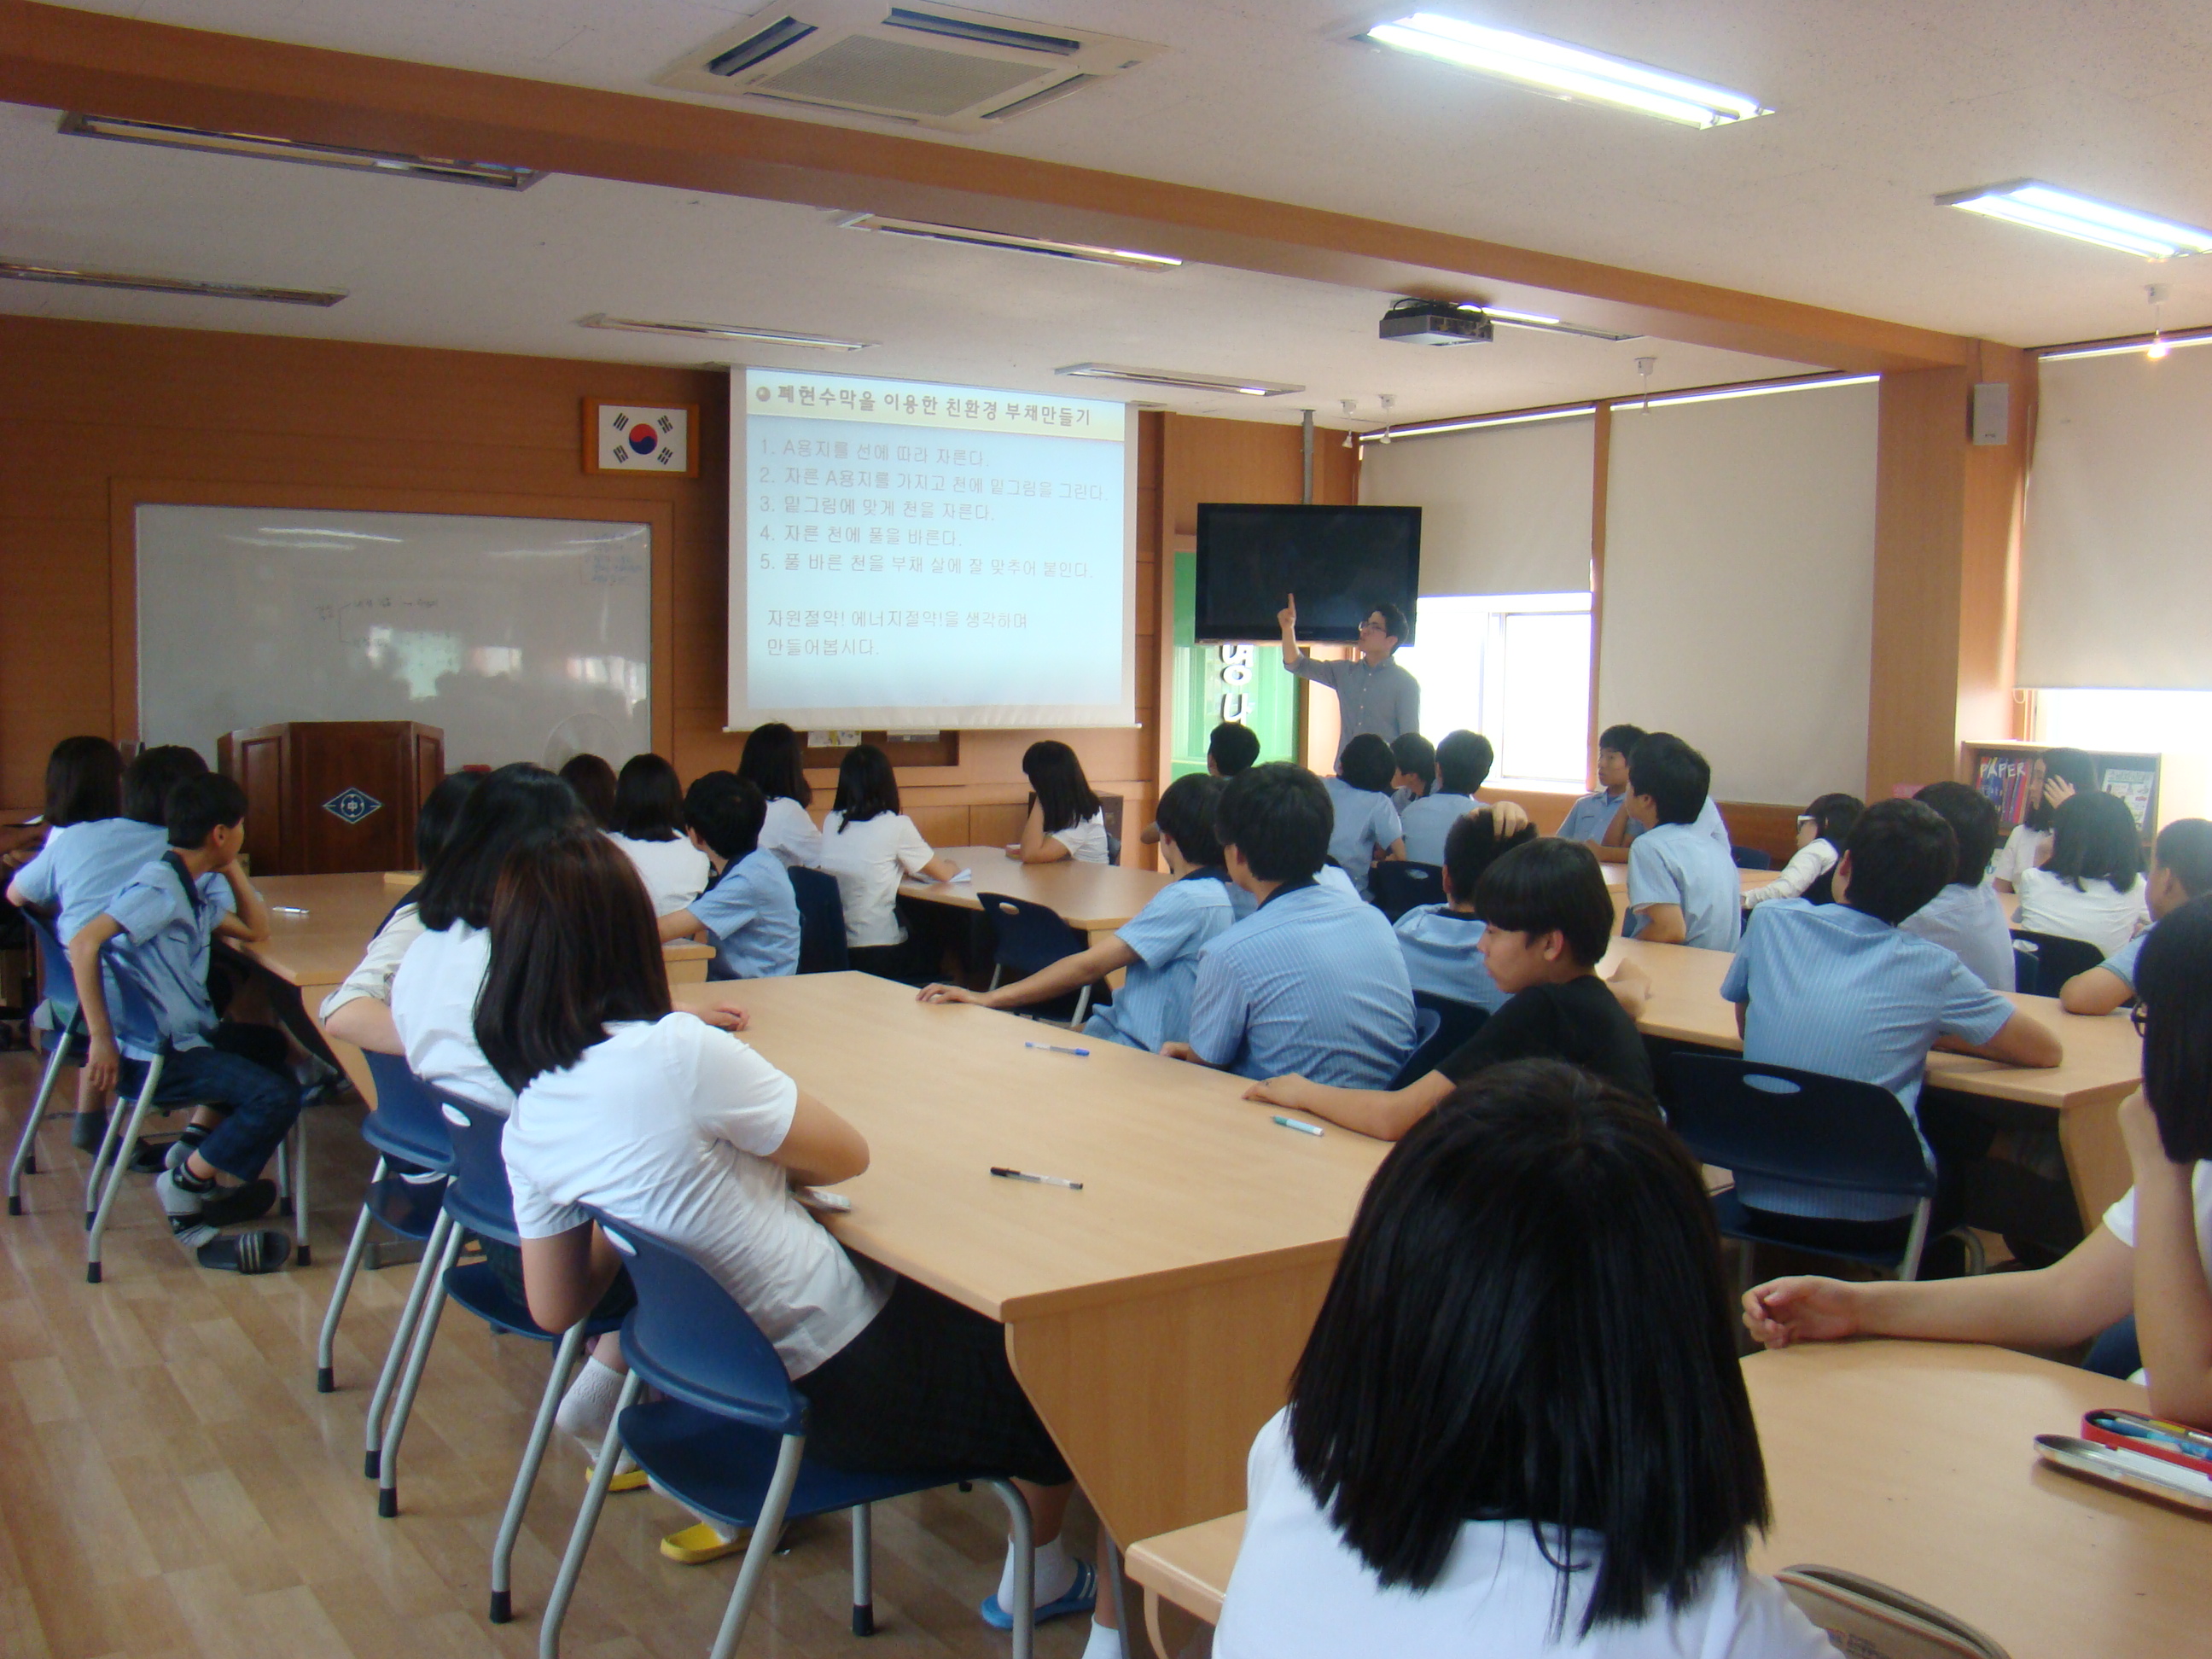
(2180, 870)
(1442, 943)
(1589, 818)
(1311, 981)
(1364, 825)
(749, 908)
(1158, 948)
(1965, 918)
(1682, 886)
(1463, 760)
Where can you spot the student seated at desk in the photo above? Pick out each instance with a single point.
(1230, 748)
(164, 927)
(647, 824)
(1065, 820)
(84, 784)
(1839, 990)
(1414, 758)
(1682, 886)
(660, 1120)
(2180, 870)
(1966, 918)
(1547, 921)
(868, 844)
(1312, 980)
(1822, 829)
(773, 763)
(748, 909)
(2091, 887)
(2056, 776)
(593, 780)
(1602, 818)
(1159, 946)
(1519, 1426)
(1443, 942)
(1364, 825)
(1463, 763)
(2151, 1255)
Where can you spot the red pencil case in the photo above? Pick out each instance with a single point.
(2171, 1443)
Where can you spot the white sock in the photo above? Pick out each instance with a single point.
(1055, 1574)
(589, 1406)
(1104, 1644)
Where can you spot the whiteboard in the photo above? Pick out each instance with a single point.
(523, 639)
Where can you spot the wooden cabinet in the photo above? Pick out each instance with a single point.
(326, 797)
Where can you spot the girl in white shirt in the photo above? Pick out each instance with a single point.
(2057, 775)
(1065, 819)
(772, 764)
(658, 1120)
(1530, 1288)
(647, 823)
(2091, 887)
(869, 845)
(2151, 1255)
(1822, 829)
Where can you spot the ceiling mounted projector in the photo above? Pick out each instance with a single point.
(1435, 322)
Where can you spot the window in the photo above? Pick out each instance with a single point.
(1515, 667)
(2175, 724)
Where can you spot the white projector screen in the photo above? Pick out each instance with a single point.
(909, 556)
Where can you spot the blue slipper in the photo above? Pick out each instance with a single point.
(1081, 1597)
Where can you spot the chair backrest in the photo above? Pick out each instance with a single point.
(2043, 962)
(1399, 884)
(477, 1196)
(1780, 1123)
(1750, 858)
(821, 922)
(133, 1009)
(58, 989)
(1457, 1022)
(1113, 848)
(1428, 1022)
(406, 1123)
(1028, 936)
(688, 1338)
(1823, 889)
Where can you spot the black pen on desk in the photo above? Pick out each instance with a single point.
(1042, 1181)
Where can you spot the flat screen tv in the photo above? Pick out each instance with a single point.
(1341, 562)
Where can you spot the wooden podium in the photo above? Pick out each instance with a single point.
(326, 797)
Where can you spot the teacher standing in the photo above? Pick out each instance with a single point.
(1373, 694)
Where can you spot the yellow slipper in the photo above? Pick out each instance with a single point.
(630, 1479)
(696, 1544)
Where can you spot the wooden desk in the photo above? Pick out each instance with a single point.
(1154, 1316)
(2103, 1064)
(1913, 1463)
(1095, 897)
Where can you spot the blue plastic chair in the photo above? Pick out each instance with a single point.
(2043, 962)
(1398, 885)
(1457, 1021)
(1428, 1027)
(62, 1025)
(1836, 1133)
(1027, 937)
(1750, 858)
(728, 1439)
(406, 1128)
(130, 1007)
(821, 922)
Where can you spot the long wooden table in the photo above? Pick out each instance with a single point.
(1914, 1463)
(2102, 1068)
(1096, 898)
(1154, 1316)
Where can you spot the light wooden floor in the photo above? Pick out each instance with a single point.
(171, 1484)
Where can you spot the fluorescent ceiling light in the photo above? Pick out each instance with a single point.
(72, 276)
(1629, 404)
(1249, 388)
(1435, 428)
(2046, 207)
(1565, 71)
(1531, 320)
(723, 331)
(492, 175)
(2173, 342)
(1129, 257)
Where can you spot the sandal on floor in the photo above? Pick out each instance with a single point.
(699, 1544)
(1081, 1596)
(626, 1479)
(263, 1251)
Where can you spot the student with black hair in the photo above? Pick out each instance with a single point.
(1546, 922)
(84, 783)
(1839, 990)
(2180, 870)
(2091, 886)
(1965, 918)
(646, 822)
(1312, 980)
(1602, 817)
(1519, 1424)
(1822, 829)
(1231, 748)
(1065, 820)
(1463, 761)
(164, 927)
(749, 908)
(2054, 778)
(1415, 758)
(1158, 947)
(1364, 827)
(2151, 1255)
(1443, 942)
(593, 780)
(870, 846)
(1375, 692)
(774, 763)
(1682, 886)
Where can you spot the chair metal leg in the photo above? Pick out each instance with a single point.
(1025, 1529)
(300, 1246)
(1082, 1009)
(1109, 1569)
(760, 1550)
(1977, 1255)
(100, 1160)
(587, 1518)
(27, 1143)
(402, 1336)
(96, 1223)
(1915, 1242)
(525, 1477)
(326, 1344)
(864, 1570)
(403, 1403)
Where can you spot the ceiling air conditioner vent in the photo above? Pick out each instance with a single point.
(970, 71)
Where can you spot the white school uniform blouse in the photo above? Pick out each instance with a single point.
(1086, 842)
(433, 1008)
(1300, 1592)
(372, 976)
(1807, 866)
(2021, 850)
(869, 859)
(2120, 1219)
(790, 834)
(2095, 911)
(674, 870)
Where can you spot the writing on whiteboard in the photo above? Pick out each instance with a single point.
(337, 608)
(613, 569)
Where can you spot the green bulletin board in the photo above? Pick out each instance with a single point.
(1214, 683)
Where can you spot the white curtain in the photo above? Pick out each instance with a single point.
(1504, 510)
